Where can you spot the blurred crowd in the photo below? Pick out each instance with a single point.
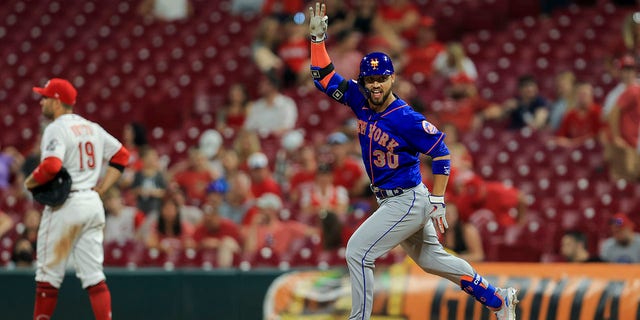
(232, 201)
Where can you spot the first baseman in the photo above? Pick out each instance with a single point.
(75, 227)
(392, 136)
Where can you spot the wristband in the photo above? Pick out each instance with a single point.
(436, 199)
(442, 166)
(314, 39)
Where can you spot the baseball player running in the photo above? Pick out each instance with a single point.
(392, 136)
(75, 227)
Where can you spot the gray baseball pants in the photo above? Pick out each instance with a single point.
(404, 220)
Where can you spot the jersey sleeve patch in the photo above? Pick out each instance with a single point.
(51, 146)
(428, 127)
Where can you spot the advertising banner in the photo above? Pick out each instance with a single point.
(405, 292)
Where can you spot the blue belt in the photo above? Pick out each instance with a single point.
(387, 193)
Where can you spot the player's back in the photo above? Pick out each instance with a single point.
(82, 145)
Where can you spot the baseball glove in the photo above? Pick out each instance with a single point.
(54, 192)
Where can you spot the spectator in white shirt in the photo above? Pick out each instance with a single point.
(624, 244)
(122, 222)
(273, 113)
(453, 61)
(627, 74)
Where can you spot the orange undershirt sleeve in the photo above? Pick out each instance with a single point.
(320, 58)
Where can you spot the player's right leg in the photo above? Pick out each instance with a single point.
(52, 253)
(89, 256)
(425, 249)
(396, 219)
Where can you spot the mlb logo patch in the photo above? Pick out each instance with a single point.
(428, 127)
(52, 145)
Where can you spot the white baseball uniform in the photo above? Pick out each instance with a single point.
(76, 227)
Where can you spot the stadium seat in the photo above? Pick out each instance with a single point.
(5, 257)
(127, 254)
(264, 257)
(151, 67)
(331, 258)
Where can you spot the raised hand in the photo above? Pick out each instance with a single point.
(318, 22)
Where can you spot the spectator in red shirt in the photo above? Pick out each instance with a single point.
(624, 124)
(230, 118)
(218, 233)
(473, 193)
(305, 173)
(347, 171)
(294, 52)
(194, 176)
(323, 196)
(423, 52)
(400, 16)
(582, 121)
(262, 180)
(267, 230)
(463, 106)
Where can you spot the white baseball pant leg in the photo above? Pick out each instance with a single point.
(76, 228)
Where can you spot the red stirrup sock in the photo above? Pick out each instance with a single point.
(46, 300)
(100, 300)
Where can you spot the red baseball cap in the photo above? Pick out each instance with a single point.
(59, 89)
(461, 78)
(626, 61)
(621, 220)
(427, 21)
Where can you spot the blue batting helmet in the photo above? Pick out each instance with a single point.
(376, 64)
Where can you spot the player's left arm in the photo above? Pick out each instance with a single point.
(440, 166)
(118, 157)
(117, 163)
(426, 138)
